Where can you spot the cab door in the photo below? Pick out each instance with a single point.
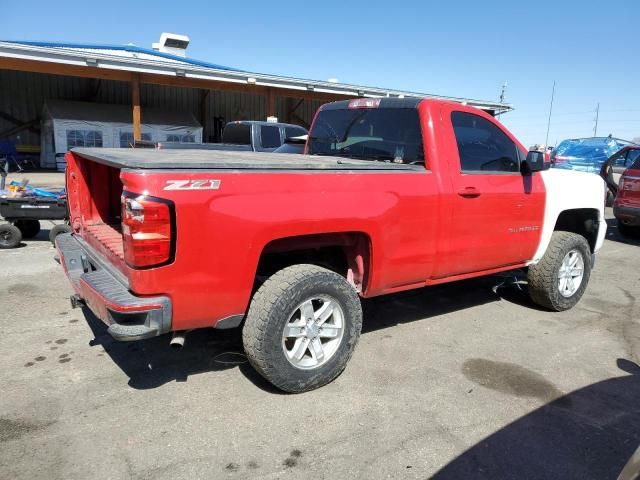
(496, 212)
(623, 161)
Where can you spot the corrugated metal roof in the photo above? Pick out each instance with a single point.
(138, 59)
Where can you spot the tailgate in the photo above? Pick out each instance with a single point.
(93, 194)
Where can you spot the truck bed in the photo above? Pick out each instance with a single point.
(228, 160)
(109, 236)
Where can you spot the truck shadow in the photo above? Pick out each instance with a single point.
(389, 310)
(152, 363)
(587, 434)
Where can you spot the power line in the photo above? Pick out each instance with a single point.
(553, 91)
(515, 114)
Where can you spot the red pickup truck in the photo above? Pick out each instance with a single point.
(390, 195)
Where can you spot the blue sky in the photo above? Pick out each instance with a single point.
(459, 48)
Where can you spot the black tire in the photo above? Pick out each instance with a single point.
(10, 236)
(28, 228)
(271, 309)
(57, 230)
(627, 231)
(544, 283)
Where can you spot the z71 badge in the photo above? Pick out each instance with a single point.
(192, 185)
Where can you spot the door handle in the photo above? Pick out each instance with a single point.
(469, 192)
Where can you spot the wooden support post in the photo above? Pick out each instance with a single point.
(135, 104)
(271, 103)
(204, 114)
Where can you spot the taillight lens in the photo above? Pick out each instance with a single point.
(558, 159)
(147, 231)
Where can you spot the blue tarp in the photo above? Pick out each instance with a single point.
(585, 154)
(38, 192)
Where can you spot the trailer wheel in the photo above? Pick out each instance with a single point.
(560, 278)
(302, 327)
(10, 236)
(28, 228)
(57, 230)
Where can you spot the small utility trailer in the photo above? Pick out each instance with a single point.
(24, 214)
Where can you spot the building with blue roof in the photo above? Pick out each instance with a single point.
(161, 77)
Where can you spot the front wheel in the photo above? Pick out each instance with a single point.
(302, 326)
(560, 278)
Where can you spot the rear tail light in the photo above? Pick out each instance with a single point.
(558, 159)
(148, 231)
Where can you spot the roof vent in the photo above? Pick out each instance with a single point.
(172, 43)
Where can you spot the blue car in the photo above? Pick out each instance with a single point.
(585, 154)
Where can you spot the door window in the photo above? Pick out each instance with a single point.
(270, 136)
(482, 146)
(633, 159)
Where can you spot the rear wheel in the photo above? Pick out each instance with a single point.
(28, 228)
(10, 236)
(302, 327)
(560, 278)
(57, 230)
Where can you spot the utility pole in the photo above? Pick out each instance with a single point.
(502, 95)
(553, 91)
(595, 128)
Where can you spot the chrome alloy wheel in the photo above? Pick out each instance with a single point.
(313, 332)
(571, 273)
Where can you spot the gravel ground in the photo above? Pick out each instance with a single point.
(467, 380)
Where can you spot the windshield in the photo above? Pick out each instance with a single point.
(385, 134)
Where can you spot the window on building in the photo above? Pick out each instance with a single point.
(93, 138)
(84, 138)
(75, 138)
(126, 138)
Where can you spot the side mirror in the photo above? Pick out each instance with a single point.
(300, 140)
(533, 163)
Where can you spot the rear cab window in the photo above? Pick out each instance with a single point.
(377, 134)
(483, 147)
